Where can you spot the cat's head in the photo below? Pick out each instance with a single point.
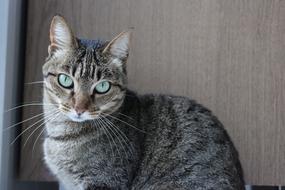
(85, 78)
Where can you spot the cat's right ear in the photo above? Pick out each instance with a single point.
(61, 37)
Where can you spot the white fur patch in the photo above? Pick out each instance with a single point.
(118, 63)
(62, 35)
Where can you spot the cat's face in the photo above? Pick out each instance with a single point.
(85, 78)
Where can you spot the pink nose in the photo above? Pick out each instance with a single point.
(79, 110)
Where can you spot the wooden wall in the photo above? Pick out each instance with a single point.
(227, 54)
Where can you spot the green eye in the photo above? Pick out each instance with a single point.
(103, 87)
(65, 81)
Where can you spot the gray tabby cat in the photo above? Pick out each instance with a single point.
(100, 135)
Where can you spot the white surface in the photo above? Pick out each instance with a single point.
(10, 26)
(3, 56)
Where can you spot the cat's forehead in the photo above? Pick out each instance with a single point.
(89, 51)
(86, 62)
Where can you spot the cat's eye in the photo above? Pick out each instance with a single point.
(102, 87)
(65, 81)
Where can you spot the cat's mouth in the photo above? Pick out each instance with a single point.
(78, 115)
(74, 116)
(77, 118)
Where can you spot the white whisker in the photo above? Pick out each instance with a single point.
(35, 82)
(50, 114)
(52, 119)
(116, 135)
(38, 115)
(126, 116)
(107, 134)
(30, 104)
(98, 130)
(44, 121)
(111, 132)
(124, 122)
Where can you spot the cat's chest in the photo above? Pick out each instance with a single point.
(69, 154)
(74, 162)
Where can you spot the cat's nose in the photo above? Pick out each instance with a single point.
(81, 104)
(79, 110)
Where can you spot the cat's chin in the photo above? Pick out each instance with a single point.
(75, 118)
(79, 120)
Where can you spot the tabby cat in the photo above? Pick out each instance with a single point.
(101, 135)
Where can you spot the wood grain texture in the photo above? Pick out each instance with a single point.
(227, 54)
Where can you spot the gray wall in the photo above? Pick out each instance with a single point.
(3, 40)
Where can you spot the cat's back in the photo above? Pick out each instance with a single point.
(185, 143)
(176, 113)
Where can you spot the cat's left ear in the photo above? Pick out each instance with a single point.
(119, 46)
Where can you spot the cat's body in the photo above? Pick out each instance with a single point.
(182, 146)
(149, 142)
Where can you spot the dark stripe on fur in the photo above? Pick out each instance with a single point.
(98, 74)
(93, 71)
(73, 70)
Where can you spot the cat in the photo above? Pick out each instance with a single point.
(101, 135)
